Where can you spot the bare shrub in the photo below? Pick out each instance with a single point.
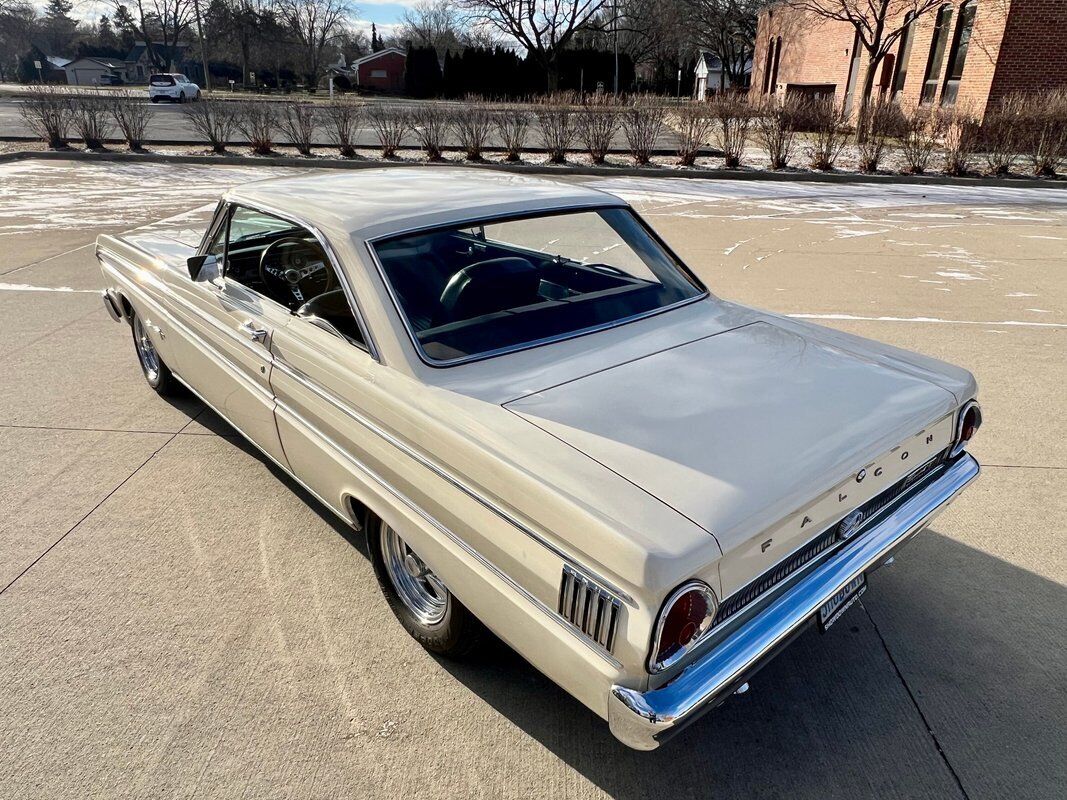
(922, 129)
(643, 122)
(513, 127)
(297, 124)
(734, 116)
(48, 112)
(92, 119)
(257, 120)
(776, 130)
(1002, 133)
(214, 121)
(960, 128)
(555, 118)
(390, 123)
(1044, 132)
(828, 124)
(430, 122)
(130, 114)
(596, 125)
(342, 124)
(473, 124)
(693, 123)
(881, 121)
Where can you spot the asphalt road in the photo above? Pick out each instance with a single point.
(178, 619)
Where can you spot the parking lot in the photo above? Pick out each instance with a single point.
(177, 618)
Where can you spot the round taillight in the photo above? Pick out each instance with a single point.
(970, 421)
(686, 617)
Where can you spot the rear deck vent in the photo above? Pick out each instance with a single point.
(588, 607)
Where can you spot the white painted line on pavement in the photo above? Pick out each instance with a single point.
(25, 287)
(855, 318)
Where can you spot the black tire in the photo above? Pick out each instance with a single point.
(181, 98)
(155, 371)
(153, 100)
(455, 635)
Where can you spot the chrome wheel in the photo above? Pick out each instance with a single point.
(418, 588)
(146, 351)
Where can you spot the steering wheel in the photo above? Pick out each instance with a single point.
(296, 267)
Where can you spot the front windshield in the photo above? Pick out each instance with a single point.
(473, 291)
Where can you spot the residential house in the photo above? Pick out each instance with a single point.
(382, 71)
(710, 76)
(95, 71)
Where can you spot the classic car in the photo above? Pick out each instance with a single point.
(547, 426)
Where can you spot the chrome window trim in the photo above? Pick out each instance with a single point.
(313, 386)
(450, 534)
(555, 211)
(335, 262)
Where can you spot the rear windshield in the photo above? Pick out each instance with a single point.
(161, 80)
(482, 289)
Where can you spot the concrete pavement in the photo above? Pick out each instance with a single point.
(177, 618)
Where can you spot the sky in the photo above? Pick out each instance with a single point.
(385, 14)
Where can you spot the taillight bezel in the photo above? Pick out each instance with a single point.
(959, 443)
(712, 608)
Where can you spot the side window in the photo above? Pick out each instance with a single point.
(285, 262)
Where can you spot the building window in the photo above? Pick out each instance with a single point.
(903, 54)
(768, 66)
(378, 73)
(777, 61)
(957, 55)
(937, 54)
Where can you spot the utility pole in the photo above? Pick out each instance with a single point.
(203, 47)
(616, 26)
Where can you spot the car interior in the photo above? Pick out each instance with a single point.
(286, 263)
(464, 293)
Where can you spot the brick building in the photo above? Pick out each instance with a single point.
(971, 52)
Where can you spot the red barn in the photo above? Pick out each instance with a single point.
(382, 71)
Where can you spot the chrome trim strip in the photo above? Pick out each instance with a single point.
(313, 386)
(282, 407)
(437, 363)
(211, 352)
(643, 720)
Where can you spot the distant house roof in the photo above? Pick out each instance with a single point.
(711, 62)
(57, 61)
(379, 54)
(106, 63)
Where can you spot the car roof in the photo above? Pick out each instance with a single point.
(370, 203)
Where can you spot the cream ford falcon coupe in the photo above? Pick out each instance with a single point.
(547, 425)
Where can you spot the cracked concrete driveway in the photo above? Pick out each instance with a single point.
(178, 619)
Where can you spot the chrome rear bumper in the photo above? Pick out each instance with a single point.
(643, 720)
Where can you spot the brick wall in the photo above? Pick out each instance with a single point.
(1034, 49)
(1016, 45)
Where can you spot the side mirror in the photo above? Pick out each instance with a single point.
(196, 264)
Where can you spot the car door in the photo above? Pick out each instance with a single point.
(226, 357)
(328, 387)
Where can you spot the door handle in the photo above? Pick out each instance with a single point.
(250, 330)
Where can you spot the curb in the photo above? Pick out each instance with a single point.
(540, 169)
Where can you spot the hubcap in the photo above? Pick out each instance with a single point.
(146, 351)
(421, 591)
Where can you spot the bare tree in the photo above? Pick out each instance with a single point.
(315, 24)
(727, 30)
(878, 25)
(433, 23)
(543, 28)
(163, 23)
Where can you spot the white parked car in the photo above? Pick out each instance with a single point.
(547, 425)
(172, 86)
